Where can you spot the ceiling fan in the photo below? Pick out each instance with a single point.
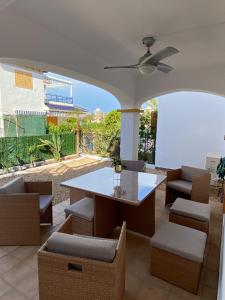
(149, 62)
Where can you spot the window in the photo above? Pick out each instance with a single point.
(23, 80)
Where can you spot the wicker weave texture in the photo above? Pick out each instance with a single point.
(19, 219)
(189, 222)
(175, 269)
(80, 226)
(200, 188)
(64, 277)
(20, 215)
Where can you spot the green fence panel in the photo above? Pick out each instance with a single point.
(9, 125)
(69, 143)
(22, 144)
(30, 125)
(27, 125)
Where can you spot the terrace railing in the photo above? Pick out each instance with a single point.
(58, 98)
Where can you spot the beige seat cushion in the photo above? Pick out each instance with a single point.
(83, 209)
(82, 246)
(187, 173)
(180, 240)
(180, 185)
(44, 202)
(191, 209)
(15, 186)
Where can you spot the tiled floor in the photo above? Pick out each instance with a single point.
(18, 266)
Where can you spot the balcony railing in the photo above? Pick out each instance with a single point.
(58, 98)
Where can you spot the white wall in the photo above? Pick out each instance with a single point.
(15, 98)
(190, 125)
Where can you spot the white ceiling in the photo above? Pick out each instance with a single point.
(77, 38)
(113, 29)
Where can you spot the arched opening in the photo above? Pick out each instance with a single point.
(70, 73)
(190, 128)
(35, 103)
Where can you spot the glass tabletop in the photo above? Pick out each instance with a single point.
(127, 186)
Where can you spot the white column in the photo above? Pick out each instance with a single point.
(129, 138)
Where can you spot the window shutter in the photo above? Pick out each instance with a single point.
(23, 80)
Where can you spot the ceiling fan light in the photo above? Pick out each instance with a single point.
(146, 69)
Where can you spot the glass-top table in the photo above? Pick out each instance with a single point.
(127, 196)
(128, 186)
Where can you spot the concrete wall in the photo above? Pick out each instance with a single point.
(190, 125)
(16, 98)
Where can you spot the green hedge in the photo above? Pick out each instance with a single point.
(21, 155)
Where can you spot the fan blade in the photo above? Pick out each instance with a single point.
(122, 67)
(166, 52)
(164, 68)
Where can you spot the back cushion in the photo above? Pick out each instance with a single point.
(82, 246)
(15, 186)
(187, 173)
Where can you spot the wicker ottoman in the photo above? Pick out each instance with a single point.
(192, 214)
(177, 255)
(83, 216)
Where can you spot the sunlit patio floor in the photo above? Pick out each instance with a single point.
(18, 265)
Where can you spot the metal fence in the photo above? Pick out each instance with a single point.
(20, 145)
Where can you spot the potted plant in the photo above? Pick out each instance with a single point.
(116, 163)
(221, 174)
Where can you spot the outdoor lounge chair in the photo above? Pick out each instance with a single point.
(81, 267)
(134, 165)
(23, 206)
(189, 183)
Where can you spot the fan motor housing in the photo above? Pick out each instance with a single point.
(148, 41)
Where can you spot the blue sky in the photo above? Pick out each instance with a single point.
(89, 96)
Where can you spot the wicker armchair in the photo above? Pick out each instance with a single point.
(189, 183)
(23, 206)
(66, 277)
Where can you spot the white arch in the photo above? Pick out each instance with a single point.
(36, 44)
(65, 72)
(208, 80)
(179, 91)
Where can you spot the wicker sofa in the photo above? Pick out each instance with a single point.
(188, 183)
(23, 206)
(87, 274)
